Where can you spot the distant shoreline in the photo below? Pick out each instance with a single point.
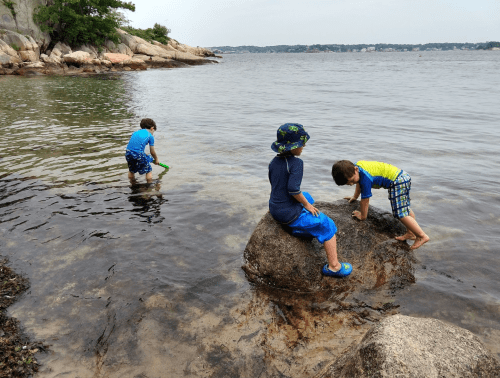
(336, 48)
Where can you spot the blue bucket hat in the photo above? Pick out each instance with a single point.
(290, 137)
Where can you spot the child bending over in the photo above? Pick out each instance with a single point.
(137, 160)
(373, 174)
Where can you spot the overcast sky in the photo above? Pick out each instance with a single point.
(209, 23)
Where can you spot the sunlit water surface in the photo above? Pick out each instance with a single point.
(124, 278)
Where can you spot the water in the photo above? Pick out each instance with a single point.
(130, 280)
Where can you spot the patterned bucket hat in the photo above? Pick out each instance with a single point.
(290, 137)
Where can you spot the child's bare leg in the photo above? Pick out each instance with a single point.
(412, 225)
(409, 235)
(331, 253)
(149, 177)
(131, 177)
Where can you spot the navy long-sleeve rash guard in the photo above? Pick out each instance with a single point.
(285, 175)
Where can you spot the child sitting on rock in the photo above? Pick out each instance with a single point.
(138, 161)
(290, 207)
(373, 174)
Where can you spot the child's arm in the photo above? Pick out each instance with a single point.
(357, 192)
(153, 154)
(363, 207)
(300, 197)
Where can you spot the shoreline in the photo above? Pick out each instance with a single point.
(18, 351)
(22, 55)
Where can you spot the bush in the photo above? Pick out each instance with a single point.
(157, 33)
(78, 22)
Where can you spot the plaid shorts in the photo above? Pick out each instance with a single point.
(399, 195)
(138, 162)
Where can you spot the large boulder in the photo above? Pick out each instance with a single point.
(28, 56)
(8, 60)
(148, 49)
(110, 45)
(89, 49)
(115, 58)
(135, 64)
(63, 48)
(78, 58)
(124, 49)
(275, 258)
(403, 346)
(7, 49)
(17, 41)
(56, 53)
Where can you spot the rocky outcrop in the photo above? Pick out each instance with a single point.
(277, 259)
(22, 21)
(403, 346)
(20, 54)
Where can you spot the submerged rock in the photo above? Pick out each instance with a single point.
(275, 258)
(403, 346)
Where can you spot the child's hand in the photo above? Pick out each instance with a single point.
(312, 210)
(156, 161)
(350, 199)
(357, 214)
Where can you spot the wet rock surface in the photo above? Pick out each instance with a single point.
(277, 259)
(17, 351)
(403, 346)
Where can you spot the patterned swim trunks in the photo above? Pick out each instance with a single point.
(138, 162)
(399, 195)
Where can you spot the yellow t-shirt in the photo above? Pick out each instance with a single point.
(374, 174)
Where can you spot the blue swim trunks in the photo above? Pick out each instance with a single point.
(321, 227)
(399, 195)
(138, 162)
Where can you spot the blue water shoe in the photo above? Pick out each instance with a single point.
(344, 271)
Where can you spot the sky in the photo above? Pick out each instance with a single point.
(209, 23)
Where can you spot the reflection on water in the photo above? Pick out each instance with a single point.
(136, 280)
(147, 201)
(64, 129)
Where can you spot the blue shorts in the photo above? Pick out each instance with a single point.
(306, 225)
(138, 162)
(399, 195)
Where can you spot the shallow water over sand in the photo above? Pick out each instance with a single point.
(130, 280)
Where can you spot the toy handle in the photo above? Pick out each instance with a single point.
(163, 165)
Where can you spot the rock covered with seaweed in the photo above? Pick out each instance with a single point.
(275, 258)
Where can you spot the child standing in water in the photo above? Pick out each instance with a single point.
(373, 174)
(137, 160)
(290, 207)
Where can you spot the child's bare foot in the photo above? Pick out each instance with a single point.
(408, 236)
(420, 242)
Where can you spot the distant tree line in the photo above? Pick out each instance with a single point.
(357, 47)
(489, 45)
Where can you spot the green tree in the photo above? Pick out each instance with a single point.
(81, 21)
(157, 33)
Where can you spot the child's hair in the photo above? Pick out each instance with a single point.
(148, 123)
(342, 171)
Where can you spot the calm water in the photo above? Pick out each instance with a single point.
(127, 277)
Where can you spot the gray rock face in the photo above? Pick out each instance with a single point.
(402, 346)
(23, 21)
(275, 258)
(15, 39)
